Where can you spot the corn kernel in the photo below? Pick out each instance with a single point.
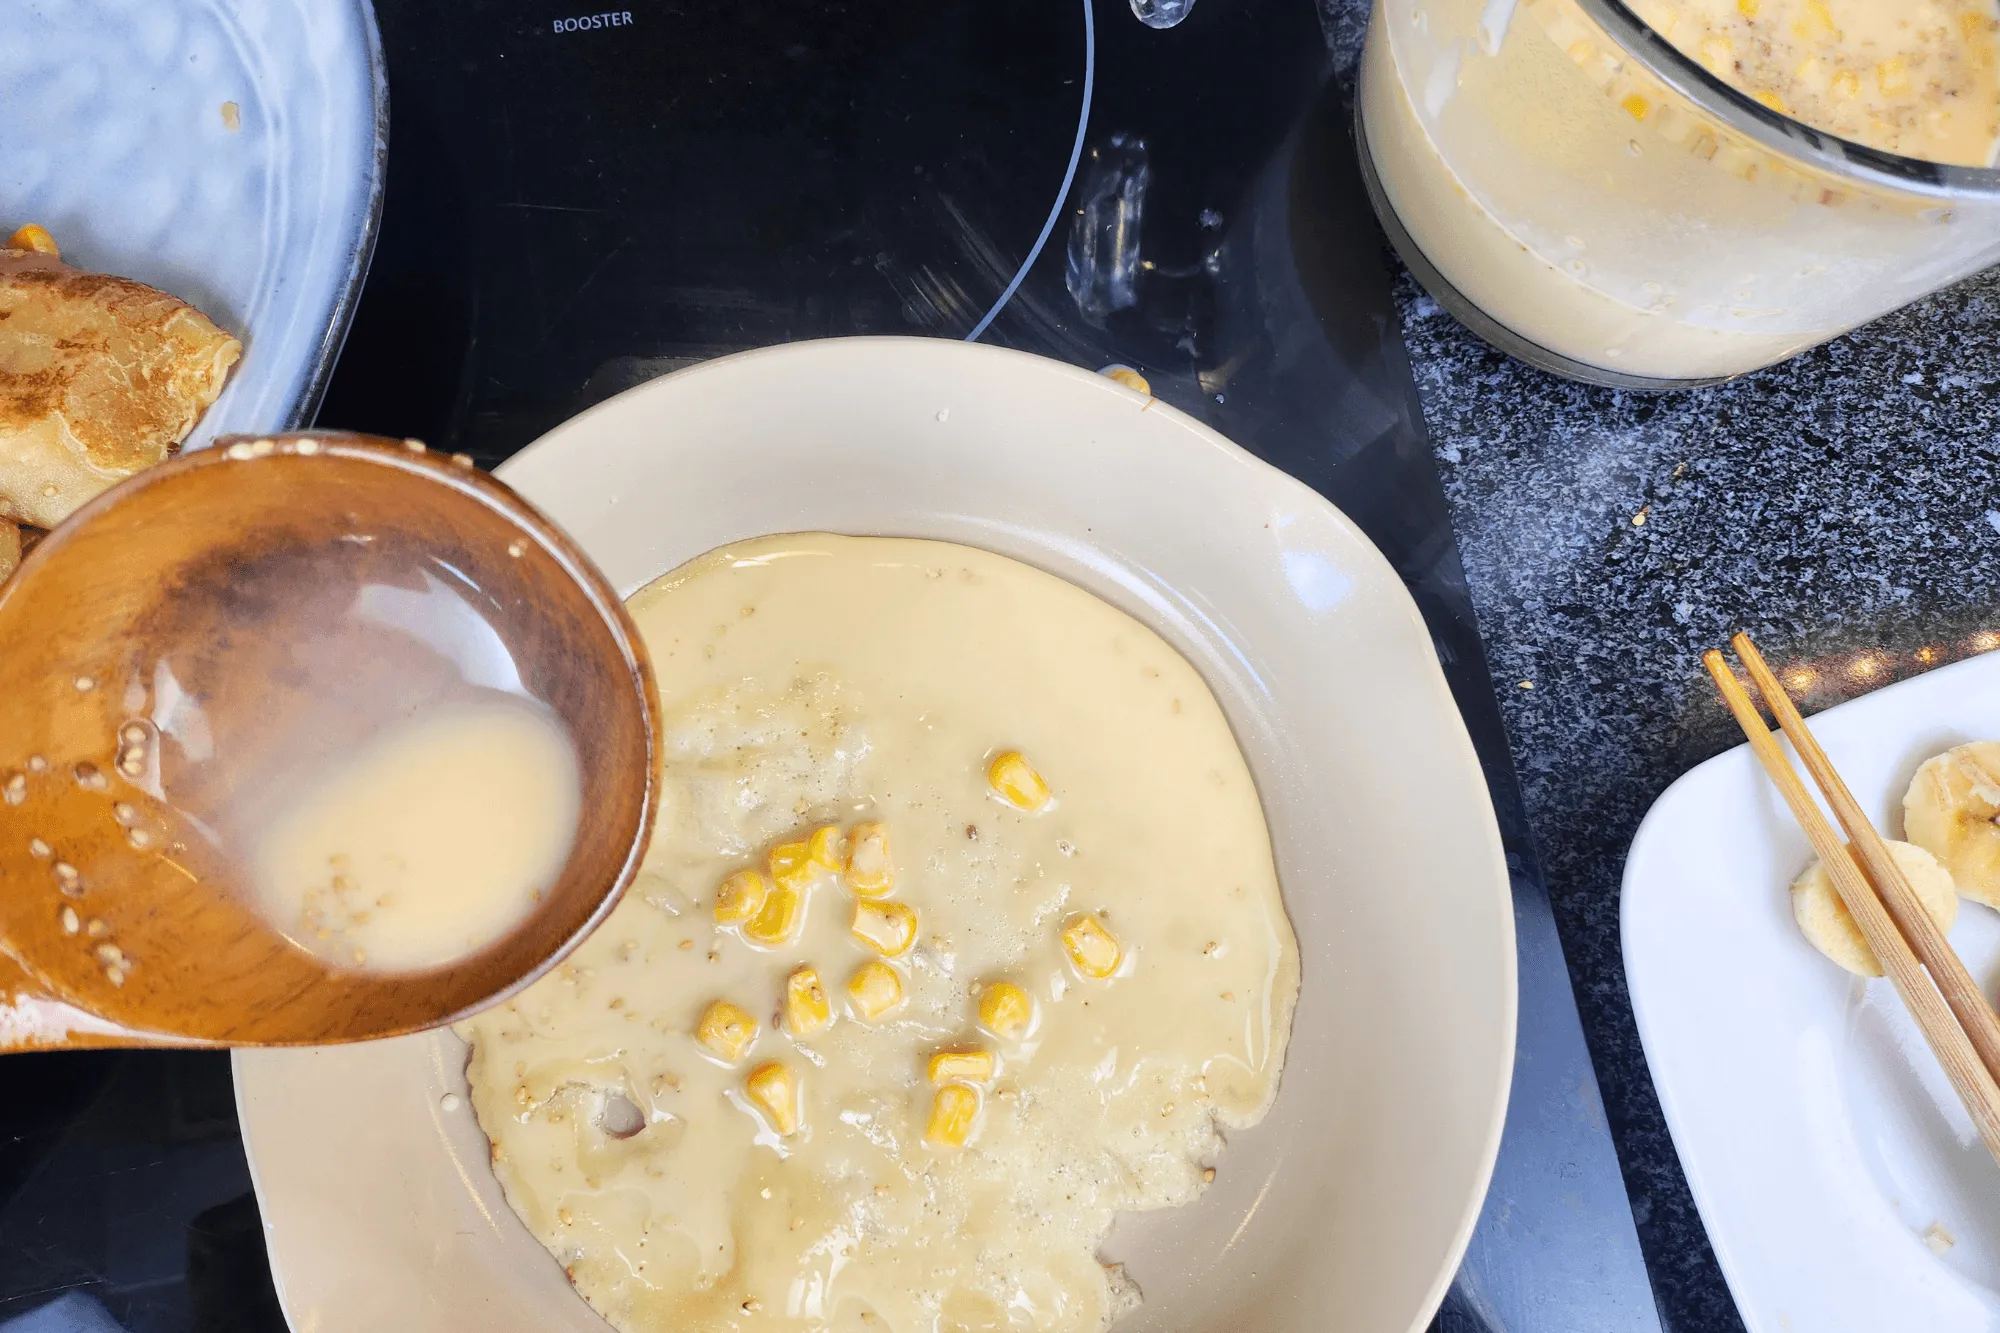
(1747, 8)
(954, 1109)
(1016, 782)
(726, 1031)
(1006, 1010)
(1095, 950)
(1893, 75)
(874, 990)
(827, 847)
(962, 1067)
(869, 873)
(775, 1090)
(791, 866)
(34, 237)
(1636, 106)
(779, 922)
(888, 928)
(806, 1007)
(740, 898)
(1847, 84)
(1772, 100)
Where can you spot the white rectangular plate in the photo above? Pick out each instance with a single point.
(1818, 1134)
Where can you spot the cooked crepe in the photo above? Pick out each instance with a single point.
(99, 378)
(10, 549)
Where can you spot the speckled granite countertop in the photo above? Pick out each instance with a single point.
(1844, 508)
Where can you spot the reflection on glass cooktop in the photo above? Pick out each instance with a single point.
(571, 212)
(574, 207)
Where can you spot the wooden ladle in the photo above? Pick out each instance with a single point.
(193, 631)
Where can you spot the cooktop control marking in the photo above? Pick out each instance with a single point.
(615, 18)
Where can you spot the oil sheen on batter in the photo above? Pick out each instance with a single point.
(669, 1111)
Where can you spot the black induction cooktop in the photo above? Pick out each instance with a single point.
(579, 201)
(575, 209)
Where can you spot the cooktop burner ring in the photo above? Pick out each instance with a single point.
(1068, 180)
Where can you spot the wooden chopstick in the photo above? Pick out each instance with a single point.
(1969, 1076)
(1947, 970)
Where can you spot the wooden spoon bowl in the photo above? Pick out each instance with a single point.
(235, 613)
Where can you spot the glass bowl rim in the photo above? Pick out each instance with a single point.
(1778, 132)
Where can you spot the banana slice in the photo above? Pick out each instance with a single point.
(1952, 811)
(1828, 927)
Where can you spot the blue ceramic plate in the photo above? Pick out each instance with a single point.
(228, 151)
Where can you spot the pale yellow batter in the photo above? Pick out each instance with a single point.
(1589, 209)
(1920, 78)
(427, 844)
(1048, 959)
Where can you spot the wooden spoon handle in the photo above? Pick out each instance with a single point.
(33, 1020)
